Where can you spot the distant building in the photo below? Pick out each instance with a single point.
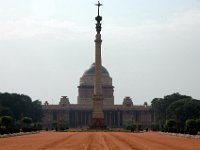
(79, 115)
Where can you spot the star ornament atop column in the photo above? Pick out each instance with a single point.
(98, 19)
(98, 5)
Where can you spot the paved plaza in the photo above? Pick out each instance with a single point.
(98, 141)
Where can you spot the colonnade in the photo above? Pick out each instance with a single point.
(113, 118)
(83, 118)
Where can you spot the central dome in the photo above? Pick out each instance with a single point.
(86, 87)
(91, 71)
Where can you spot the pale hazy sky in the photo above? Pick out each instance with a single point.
(151, 48)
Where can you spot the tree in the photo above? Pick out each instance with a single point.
(36, 111)
(171, 125)
(198, 124)
(191, 126)
(5, 111)
(6, 121)
(184, 109)
(160, 106)
(26, 122)
(16, 105)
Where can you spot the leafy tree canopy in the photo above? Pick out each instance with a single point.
(175, 106)
(184, 109)
(6, 121)
(19, 105)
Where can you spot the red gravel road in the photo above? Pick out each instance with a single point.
(98, 141)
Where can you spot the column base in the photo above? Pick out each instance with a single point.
(98, 124)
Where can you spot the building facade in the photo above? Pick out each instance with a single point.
(79, 115)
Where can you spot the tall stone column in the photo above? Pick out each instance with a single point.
(97, 84)
(97, 114)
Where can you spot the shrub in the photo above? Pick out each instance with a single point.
(171, 125)
(198, 124)
(191, 126)
(6, 121)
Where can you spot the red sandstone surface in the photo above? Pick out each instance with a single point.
(98, 141)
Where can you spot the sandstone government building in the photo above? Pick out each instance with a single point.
(80, 115)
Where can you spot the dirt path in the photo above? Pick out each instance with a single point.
(98, 141)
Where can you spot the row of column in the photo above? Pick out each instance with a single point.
(112, 118)
(83, 118)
